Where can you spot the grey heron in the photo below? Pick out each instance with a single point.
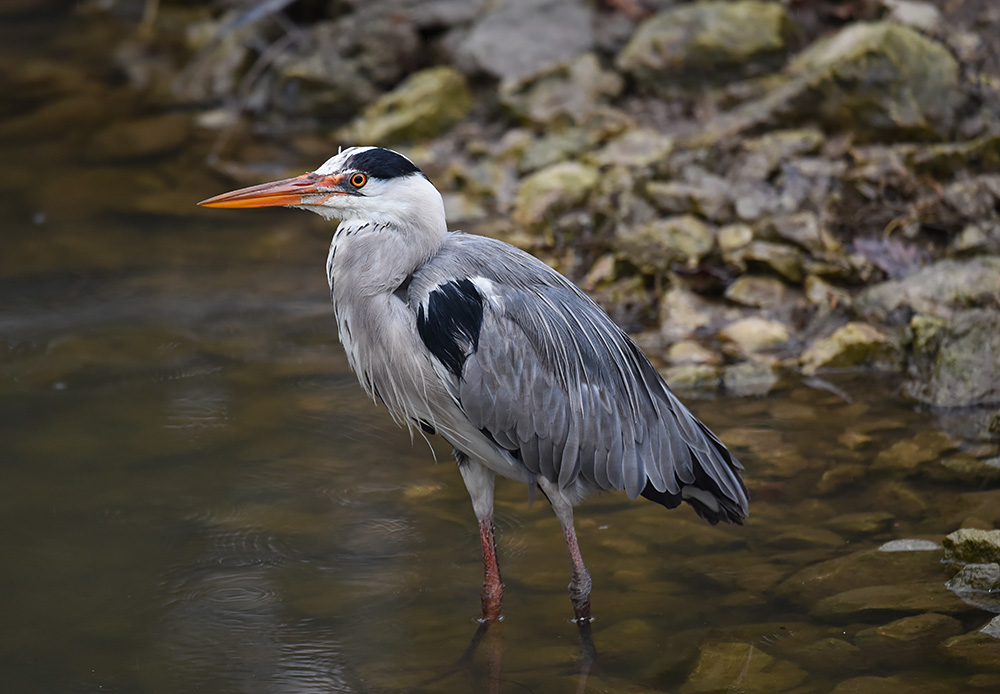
(516, 368)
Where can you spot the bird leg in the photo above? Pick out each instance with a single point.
(579, 587)
(492, 583)
(479, 481)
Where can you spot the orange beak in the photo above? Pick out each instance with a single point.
(289, 191)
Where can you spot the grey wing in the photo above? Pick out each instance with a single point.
(557, 384)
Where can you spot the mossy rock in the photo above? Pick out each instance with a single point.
(973, 546)
(710, 41)
(553, 190)
(424, 106)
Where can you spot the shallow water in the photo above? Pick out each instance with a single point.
(196, 496)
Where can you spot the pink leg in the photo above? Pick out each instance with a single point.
(579, 587)
(492, 583)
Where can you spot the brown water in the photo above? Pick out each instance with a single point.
(196, 496)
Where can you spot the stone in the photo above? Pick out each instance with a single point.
(707, 197)
(340, 66)
(520, 38)
(878, 80)
(707, 41)
(552, 191)
(824, 294)
(754, 334)
(637, 148)
(895, 684)
(973, 546)
(937, 289)
(780, 258)
(758, 291)
(690, 352)
(922, 16)
(733, 237)
(656, 246)
(908, 639)
(724, 665)
(682, 313)
(877, 602)
(572, 91)
(907, 455)
(751, 378)
(977, 578)
(992, 628)
(863, 523)
(866, 568)
(830, 655)
(909, 545)
(805, 230)
(761, 157)
(974, 649)
(956, 363)
(855, 345)
(425, 105)
(692, 377)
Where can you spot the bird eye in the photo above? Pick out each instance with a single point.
(358, 180)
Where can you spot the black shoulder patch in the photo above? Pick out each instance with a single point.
(450, 328)
(383, 163)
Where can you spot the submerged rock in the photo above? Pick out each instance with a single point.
(973, 546)
(956, 362)
(851, 346)
(425, 105)
(722, 665)
(753, 377)
(707, 41)
(906, 640)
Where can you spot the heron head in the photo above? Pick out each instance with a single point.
(360, 184)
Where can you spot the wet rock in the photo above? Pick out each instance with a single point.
(753, 377)
(803, 536)
(692, 377)
(895, 684)
(936, 289)
(573, 91)
(824, 294)
(754, 334)
(976, 649)
(655, 247)
(898, 498)
(519, 38)
(910, 545)
(690, 352)
(965, 468)
(682, 313)
(707, 41)
(863, 523)
(855, 345)
(906, 640)
(828, 654)
(876, 602)
(552, 191)
(753, 290)
(879, 80)
(868, 568)
(956, 363)
(976, 578)
(722, 665)
(425, 105)
(909, 454)
(973, 546)
(992, 628)
(778, 257)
